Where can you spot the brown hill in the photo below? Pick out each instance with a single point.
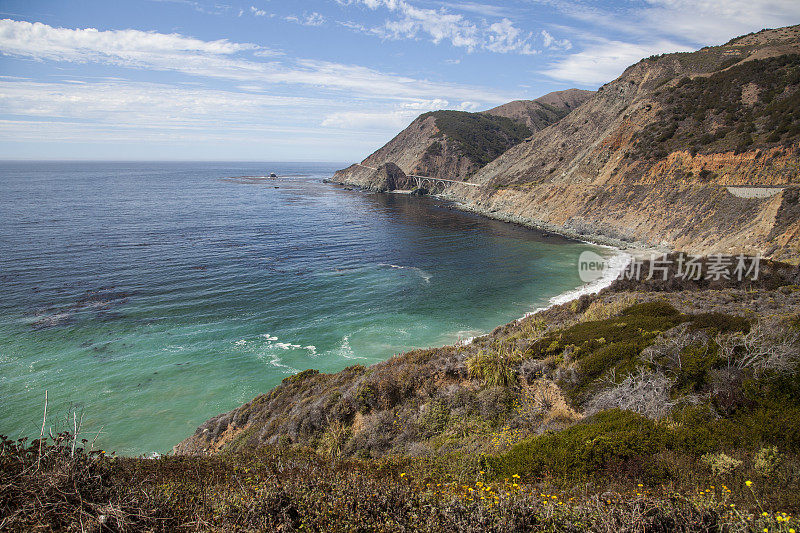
(456, 144)
(545, 110)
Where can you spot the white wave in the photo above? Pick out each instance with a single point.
(240, 342)
(344, 348)
(174, 349)
(286, 345)
(276, 361)
(272, 343)
(424, 275)
(346, 351)
(616, 265)
(466, 336)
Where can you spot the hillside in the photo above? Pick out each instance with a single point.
(607, 168)
(455, 144)
(649, 157)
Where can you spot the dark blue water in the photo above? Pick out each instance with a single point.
(152, 296)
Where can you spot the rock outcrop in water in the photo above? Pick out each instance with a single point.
(649, 157)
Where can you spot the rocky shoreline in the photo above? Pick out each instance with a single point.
(639, 249)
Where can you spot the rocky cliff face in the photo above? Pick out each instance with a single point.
(455, 145)
(651, 155)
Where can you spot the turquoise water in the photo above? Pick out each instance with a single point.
(152, 296)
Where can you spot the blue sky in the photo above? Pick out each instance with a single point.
(317, 80)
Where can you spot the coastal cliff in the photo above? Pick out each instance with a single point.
(651, 156)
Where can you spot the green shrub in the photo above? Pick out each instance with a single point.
(721, 464)
(691, 430)
(767, 461)
(496, 367)
(639, 323)
(657, 308)
(434, 149)
(720, 323)
(435, 419)
(588, 448)
(600, 361)
(697, 361)
(480, 137)
(696, 106)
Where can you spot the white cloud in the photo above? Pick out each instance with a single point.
(486, 10)
(313, 19)
(394, 119)
(504, 37)
(152, 104)
(41, 41)
(426, 105)
(258, 12)
(439, 26)
(360, 120)
(469, 106)
(553, 43)
(716, 21)
(603, 62)
(217, 59)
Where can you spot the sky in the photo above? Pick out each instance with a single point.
(315, 80)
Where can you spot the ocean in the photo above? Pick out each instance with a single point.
(148, 297)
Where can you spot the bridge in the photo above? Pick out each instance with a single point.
(431, 183)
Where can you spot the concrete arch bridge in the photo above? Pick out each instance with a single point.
(430, 183)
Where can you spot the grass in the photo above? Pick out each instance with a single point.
(496, 366)
(274, 489)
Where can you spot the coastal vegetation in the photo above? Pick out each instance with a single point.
(747, 106)
(652, 406)
(49, 487)
(479, 136)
